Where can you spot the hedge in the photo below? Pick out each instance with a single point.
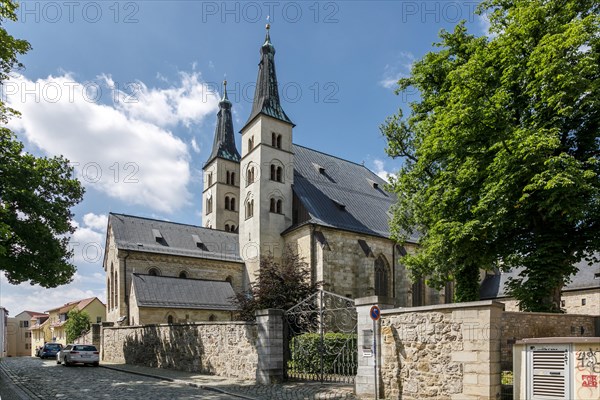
(339, 355)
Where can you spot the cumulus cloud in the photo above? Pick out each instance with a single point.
(123, 148)
(396, 70)
(379, 169)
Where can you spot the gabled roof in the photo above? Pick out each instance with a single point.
(171, 292)
(140, 234)
(341, 194)
(587, 277)
(79, 304)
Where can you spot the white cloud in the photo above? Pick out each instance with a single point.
(398, 69)
(97, 222)
(122, 150)
(195, 145)
(379, 169)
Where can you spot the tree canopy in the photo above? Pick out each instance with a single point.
(78, 323)
(36, 193)
(279, 285)
(501, 151)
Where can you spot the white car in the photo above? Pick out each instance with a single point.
(78, 353)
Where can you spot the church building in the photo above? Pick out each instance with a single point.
(271, 196)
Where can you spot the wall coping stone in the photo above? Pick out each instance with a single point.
(559, 340)
(451, 306)
(363, 301)
(562, 315)
(270, 311)
(182, 324)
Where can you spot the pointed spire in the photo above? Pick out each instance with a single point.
(224, 143)
(266, 96)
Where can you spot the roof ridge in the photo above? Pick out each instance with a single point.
(337, 157)
(168, 222)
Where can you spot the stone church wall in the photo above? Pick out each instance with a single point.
(221, 348)
(582, 302)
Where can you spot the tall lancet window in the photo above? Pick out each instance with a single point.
(381, 277)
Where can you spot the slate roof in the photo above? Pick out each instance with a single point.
(138, 234)
(266, 96)
(171, 292)
(494, 286)
(224, 142)
(341, 194)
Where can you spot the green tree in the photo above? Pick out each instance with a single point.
(36, 193)
(501, 152)
(277, 285)
(78, 322)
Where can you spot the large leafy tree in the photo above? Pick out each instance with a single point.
(279, 285)
(78, 323)
(501, 152)
(36, 193)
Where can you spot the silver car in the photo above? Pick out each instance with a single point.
(78, 353)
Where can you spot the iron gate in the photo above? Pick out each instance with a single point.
(321, 339)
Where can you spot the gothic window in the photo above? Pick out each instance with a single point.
(381, 277)
(418, 293)
(115, 290)
(154, 272)
(183, 274)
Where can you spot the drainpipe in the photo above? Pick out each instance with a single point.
(126, 291)
(394, 270)
(313, 265)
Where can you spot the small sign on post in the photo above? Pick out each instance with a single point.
(375, 314)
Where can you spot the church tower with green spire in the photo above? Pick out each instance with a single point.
(221, 195)
(267, 169)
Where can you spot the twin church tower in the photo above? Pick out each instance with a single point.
(251, 194)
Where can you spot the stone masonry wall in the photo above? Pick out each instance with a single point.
(441, 352)
(226, 349)
(519, 325)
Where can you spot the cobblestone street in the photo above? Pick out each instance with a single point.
(24, 378)
(44, 379)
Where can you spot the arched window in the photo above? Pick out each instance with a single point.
(209, 178)
(232, 228)
(183, 274)
(232, 204)
(273, 139)
(154, 272)
(227, 202)
(115, 290)
(273, 172)
(170, 319)
(381, 277)
(279, 202)
(249, 208)
(212, 317)
(249, 176)
(227, 178)
(272, 206)
(250, 143)
(278, 178)
(226, 227)
(232, 179)
(229, 279)
(278, 141)
(209, 205)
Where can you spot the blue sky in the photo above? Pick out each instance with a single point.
(127, 91)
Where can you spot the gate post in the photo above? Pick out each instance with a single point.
(269, 346)
(365, 375)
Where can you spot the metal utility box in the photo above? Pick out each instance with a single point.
(564, 368)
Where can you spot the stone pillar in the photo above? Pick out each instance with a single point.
(365, 375)
(269, 346)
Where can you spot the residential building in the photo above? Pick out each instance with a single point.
(57, 317)
(19, 333)
(40, 331)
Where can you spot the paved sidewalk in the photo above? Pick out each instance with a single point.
(245, 389)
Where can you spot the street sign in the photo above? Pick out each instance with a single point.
(375, 313)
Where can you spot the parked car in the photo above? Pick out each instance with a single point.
(49, 350)
(78, 353)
